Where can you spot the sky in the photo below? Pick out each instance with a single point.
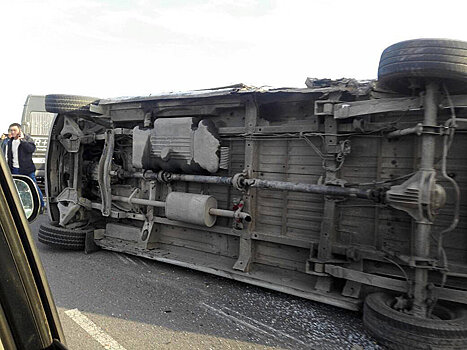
(110, 48)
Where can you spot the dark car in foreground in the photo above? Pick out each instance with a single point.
(28, 317)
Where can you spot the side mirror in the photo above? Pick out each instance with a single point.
(29, 196)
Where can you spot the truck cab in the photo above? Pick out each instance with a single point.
(36, 122)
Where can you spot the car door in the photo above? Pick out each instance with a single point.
(28, 317)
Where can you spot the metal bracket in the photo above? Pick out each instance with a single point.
(67, 212)
(316, 266)
(96, 109)
(420, 262)
(325, 107)
(244, 259)
(316, 269)
(69, 204)
(70, 135)
(147, 239)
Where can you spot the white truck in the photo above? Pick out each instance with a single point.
(36, 122)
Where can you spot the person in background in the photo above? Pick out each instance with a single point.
(18, 153)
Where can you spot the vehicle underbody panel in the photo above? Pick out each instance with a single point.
(315, 192)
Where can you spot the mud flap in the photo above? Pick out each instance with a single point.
(90, 245)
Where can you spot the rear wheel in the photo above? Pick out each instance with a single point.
(53, 235)
(69, 103)
(406, 66)
(447, 329)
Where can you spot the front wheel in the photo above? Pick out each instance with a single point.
(59, 237)
(447, 329)
(69, 103)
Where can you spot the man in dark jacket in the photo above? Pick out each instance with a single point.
(19, 152)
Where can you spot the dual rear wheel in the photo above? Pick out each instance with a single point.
(446, 329)
(407, 67)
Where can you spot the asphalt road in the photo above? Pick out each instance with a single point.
(112, 301)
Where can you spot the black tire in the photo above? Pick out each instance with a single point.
(421, 60)
(69, 103)
(63, 238)
(61, 245)
(60, 237)
(398, 330)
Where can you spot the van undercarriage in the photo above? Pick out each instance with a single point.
(336, 192)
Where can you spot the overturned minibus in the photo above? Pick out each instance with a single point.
(347, 192)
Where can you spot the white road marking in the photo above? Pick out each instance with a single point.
(93, 330)
(274, 332)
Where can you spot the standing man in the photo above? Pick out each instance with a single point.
(19, 152)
